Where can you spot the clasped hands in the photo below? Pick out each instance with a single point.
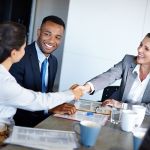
(80, 90)
(68, 108)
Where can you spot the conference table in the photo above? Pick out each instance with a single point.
(111, 136)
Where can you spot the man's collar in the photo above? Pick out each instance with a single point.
(41, 56)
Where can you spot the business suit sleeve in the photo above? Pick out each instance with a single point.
(53, 64)
(110, 76)
(55, 71)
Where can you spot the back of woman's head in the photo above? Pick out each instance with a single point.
(12, 36)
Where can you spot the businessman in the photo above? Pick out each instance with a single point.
(37, 69)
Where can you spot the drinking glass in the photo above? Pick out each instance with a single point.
(115, 115)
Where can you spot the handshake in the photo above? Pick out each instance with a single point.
(80, 90)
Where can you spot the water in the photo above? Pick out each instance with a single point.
(115, 116)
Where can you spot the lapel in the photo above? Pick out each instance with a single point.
(130, 79)
(146, 94)
(50, 74)
(35, 67)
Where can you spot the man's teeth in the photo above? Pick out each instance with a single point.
(49, 46)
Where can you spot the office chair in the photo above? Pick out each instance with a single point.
(108, 91)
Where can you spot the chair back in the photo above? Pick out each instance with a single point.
(108, 91)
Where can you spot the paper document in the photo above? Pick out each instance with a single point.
(83, 115)
(92, 106)
(86, 110)
(43, 138)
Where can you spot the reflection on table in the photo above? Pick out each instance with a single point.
(111, 136)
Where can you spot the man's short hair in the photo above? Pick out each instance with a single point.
(54, 19)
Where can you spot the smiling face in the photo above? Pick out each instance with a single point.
(49, 37)
(143, 56)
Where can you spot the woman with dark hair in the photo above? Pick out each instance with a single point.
(12, 95)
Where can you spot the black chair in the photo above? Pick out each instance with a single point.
(108, 91)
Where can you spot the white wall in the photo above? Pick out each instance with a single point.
(99, 33)
(44, 8)
(146, 27)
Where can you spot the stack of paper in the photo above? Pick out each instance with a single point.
(43, 138)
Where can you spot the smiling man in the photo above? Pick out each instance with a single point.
(29, 71)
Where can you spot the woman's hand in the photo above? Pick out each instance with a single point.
(112, 102)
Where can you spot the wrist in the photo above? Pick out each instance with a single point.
(87, 88)
(116, 103)
(121, 105)
(124, 105)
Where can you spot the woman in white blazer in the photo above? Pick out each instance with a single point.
(12, 95)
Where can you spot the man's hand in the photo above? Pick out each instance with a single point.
(65, 108)
(112, 102)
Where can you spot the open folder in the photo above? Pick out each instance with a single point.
(89, 110)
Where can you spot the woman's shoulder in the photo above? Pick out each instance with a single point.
(129, 58)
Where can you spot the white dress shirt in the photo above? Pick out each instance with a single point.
(137, 90)
(13, 96)
(41, 58)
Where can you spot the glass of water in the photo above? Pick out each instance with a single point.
(115, 115)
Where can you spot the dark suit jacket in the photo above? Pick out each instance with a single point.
(27, 74)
